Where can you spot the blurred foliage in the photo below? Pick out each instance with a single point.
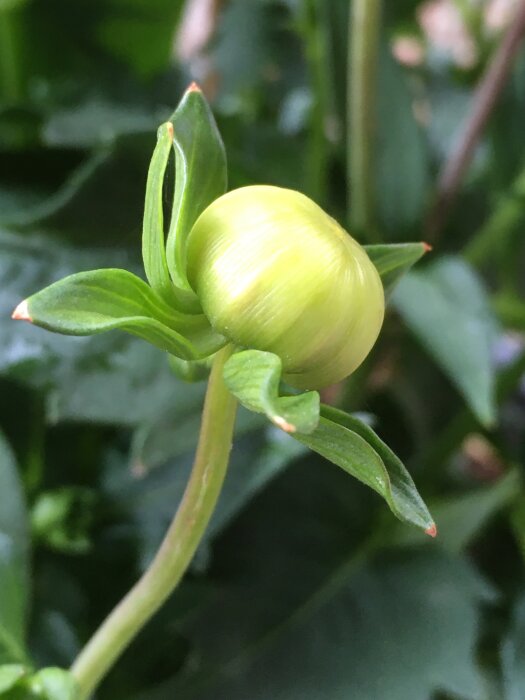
(305, 586)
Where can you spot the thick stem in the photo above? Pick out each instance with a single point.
(363, 35)
(180, 542)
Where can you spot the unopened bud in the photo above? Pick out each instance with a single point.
(274, 272)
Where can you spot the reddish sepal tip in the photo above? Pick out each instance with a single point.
(169, 127)
(193, 87)
(427, 247)
(283, 424)
(21, 313)
(432, 530)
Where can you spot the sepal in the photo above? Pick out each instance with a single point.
(392, 261)
(352, 445)
(200, 166)
(101, 300)
(253, 378)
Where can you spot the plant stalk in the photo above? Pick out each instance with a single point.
(10, 52)
(485, 98)
(363, 37)
(180, 542)
(314, 32)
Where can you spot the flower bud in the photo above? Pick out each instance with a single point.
(274, 272)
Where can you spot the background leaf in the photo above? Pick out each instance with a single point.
(265, 632)
(14, 560)
(447, 308)
(402, 164)
(512, 655)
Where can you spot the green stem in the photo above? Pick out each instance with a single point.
(363, 37)
(315, 40)
(10, 54)
(180, 542)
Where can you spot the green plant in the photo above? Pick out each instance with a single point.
(264, 285)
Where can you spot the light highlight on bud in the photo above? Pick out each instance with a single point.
(274, 272)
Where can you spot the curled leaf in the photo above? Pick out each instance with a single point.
(253, 378)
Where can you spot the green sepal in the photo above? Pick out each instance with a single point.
(353, 446)
(101, 300)
(253, 378)
(200, 166)
(392, 261)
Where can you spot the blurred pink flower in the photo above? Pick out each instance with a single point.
(445, 30)
(408, 50)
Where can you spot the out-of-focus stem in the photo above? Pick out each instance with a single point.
(485, 97)
(10, 77)
(364, 29)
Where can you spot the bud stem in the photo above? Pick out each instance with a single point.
(180, 542)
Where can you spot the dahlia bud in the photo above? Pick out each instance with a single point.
(274, 272)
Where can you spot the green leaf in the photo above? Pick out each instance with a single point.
(447, 308)
(253, 378)
(513, 653)
(394, 260)
(306, 611)
(62, 518)
(402, 162)
(10, 674)
(461, 519)
(101, 300)
(118, 379)
(139, 34)
(55, 684)
(14, 560)
(353, 446)
(200, 165)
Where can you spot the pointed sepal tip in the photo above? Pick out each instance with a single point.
(284, 424)
(193, 87)
(432, 530)
(21, 313)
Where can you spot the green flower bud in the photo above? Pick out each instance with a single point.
(274, 272)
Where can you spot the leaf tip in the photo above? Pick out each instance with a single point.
(193, 87)
(432, 530)
(169, 128)
(283, 424)
(427, 247)
(21, 313)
